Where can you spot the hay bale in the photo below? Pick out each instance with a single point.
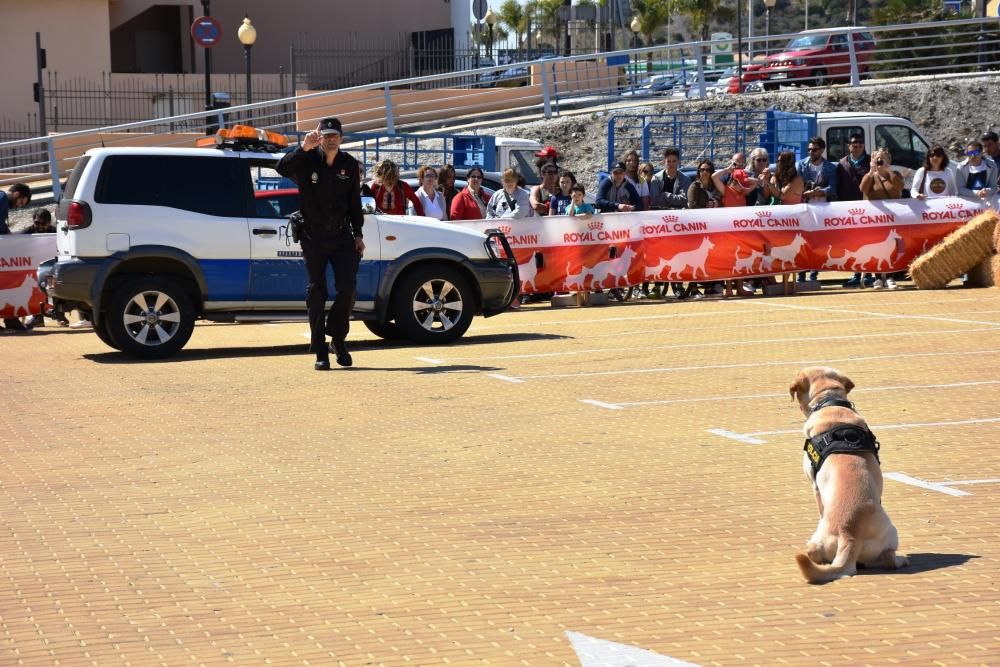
(984, 273)
(996, 239)
(996, 267)
(957, 254)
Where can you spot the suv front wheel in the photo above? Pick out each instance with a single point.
(433, 304)
(150, 318)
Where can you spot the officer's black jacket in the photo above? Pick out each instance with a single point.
(330, 196)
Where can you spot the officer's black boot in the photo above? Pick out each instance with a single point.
(322, 364)
(339, 348)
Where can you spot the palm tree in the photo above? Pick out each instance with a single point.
(513, 15)
(652, 15)
(547, 12)
(702, 14)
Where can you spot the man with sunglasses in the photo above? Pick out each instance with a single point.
(818, 171)
(542, 193)
(17, 196)
(977, 174)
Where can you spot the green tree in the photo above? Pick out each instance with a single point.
(653, 15)
(703, 13)
(512, 14)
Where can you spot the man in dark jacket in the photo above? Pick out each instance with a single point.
(850, 170)
(330, 192)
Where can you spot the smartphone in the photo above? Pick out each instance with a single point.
(879, 162)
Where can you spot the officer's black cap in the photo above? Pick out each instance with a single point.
(330, 126)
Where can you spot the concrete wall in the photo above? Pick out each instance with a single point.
(75, 35)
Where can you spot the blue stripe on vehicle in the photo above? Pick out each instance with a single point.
(285, 279)
(226, 279)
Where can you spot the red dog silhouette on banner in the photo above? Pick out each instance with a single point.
(562, 253)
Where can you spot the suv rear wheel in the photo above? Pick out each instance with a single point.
(150, 318)
(433, 304)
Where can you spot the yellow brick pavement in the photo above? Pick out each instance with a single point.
(465, 505)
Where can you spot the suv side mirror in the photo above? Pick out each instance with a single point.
(368, 205)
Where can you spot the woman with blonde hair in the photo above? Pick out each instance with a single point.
(882, 182)
(510, 201)
(391, 193)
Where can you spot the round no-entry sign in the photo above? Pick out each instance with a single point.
(206, 31)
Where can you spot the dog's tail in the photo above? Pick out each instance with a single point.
(843, 565)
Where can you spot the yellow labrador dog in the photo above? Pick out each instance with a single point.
(842, 461)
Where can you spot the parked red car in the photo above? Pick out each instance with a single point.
(818, 58)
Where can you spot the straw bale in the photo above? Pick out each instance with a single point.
(996, 239)
(995, 260)
(984, 273)
(957, 254)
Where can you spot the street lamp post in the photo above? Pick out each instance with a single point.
(768, 6)
(636, 26)
(490, 19)
(247, 35)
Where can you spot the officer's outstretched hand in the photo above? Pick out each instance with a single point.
(359, 246)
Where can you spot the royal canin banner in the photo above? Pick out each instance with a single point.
(20, 255)
(561, 253)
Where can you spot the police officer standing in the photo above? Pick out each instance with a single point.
(330, 193)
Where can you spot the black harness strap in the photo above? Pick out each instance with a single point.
(845, 439)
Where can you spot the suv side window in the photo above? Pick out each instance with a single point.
(208, 185)
(838, 42)
(836, 141)
(907, 149)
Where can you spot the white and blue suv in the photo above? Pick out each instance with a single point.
(152, 239)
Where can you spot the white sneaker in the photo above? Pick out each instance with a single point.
(877, 284)
(81, 324)
(890, 283)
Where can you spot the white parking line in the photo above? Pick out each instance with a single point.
(755, 435)
(971, 481)
(866, 312)
(923, 484)
(746, 397)
(791, 362)
(726, 344)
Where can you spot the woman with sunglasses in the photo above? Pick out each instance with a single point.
(702, 193)
(446, 185)
(432, 200)
(935, 178)
(470, 203)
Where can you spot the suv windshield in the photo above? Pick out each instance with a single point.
(807, 42)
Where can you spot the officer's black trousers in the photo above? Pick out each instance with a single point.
(339, 252)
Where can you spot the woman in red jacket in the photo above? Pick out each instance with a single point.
(391, 193)
(470, 203)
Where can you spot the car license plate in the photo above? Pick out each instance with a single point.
(780, 75)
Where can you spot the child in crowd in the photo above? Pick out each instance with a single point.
(578, 206)
(646, 172)
(560, 201)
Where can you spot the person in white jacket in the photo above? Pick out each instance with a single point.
(431, 199)
(510, 201)
(977, 174)
(935, 178)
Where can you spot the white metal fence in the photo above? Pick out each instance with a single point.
(852, 56)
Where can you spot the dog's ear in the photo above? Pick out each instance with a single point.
(799, 387)
(846, 381)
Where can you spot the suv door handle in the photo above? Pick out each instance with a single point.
(265, 231)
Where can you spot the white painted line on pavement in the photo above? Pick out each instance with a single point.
(601, 653)
(601, 404)
(792, 362)
(746, 397)
(430, 360)
(727, 344)
(754, 436)
(505, 378)
(931, 486)
(971, 481)
(866, 312)
(732, 435)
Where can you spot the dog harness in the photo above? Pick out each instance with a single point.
(844, 439)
